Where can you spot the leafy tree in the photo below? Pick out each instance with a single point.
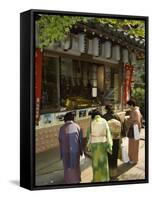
(57, 27)
(139, 95)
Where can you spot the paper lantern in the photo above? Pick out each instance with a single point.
(107, 49)
(74, 50)
(66, 44)
(94, 76)
(90, 47)
(125, 56)
(102, 50)
(75, 43)
(116, 52)
(82, 43)
(37, 35)
(94, 92)
(133, 58)
(95, 46)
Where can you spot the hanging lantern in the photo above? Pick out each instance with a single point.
(37, 35)
(66, 45)
(94, 92)
(125, 56)
(133, 58)
(95, 46)
(82, 43)
(102, 50)
(116, 52)
(90, 47)
(107, 49)
(75, 43)
(94, 80)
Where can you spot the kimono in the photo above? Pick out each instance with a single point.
(133, 148)
(115, 129)
(115, 126)
(100, 142)
(70, 140)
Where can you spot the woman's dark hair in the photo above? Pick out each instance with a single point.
(69, 117)
(108, 107)
(94, 113)
(131, 102)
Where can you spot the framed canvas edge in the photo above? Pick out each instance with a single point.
(30, 162)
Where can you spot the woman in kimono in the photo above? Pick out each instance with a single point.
(134, 118)
(100, 142)
(115, 126)
(70, 140)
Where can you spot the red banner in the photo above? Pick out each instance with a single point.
(127, 82)
(38, 82)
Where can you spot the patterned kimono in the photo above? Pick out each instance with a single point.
(133, 148)
(115, 129)
(115, 126)
(70, 139)
(100, 141)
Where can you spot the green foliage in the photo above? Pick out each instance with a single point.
(138, 93)
(132, 27)
(57, 27)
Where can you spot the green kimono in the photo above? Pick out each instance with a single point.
(99, 151)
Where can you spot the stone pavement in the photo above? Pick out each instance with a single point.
(49, 169)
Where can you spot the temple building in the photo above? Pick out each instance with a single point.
(91, 68)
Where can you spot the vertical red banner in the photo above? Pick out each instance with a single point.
(127, 82)
(38, 82)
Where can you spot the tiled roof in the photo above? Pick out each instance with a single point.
(107, 31)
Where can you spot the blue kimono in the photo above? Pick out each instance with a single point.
(70, 139)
